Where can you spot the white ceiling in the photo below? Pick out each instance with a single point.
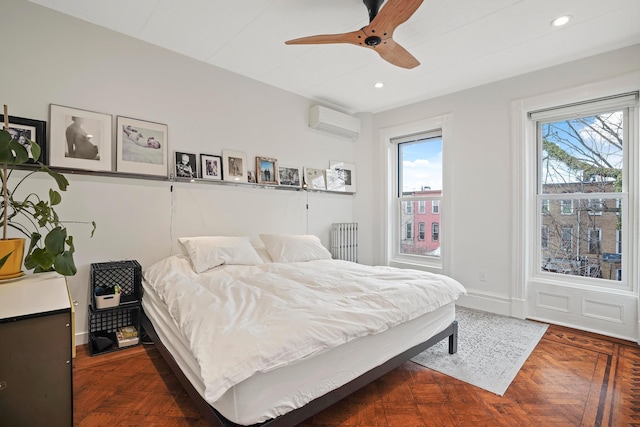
(460, 43)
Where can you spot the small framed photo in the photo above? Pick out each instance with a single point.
(267, 170)
(290, 176)
(335, 180)
(141, 147)
(315, 179)
(251, 177)
(347, 173)
(22, 129)
(186, 166)
(80, 139)
(235, 165)
(211, 167)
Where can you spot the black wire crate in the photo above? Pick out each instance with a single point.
(127, 275)
(103, 325)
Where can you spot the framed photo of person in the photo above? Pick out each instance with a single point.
(80, 139)
(315, 179)
(211, 167)
(141, 147)
(22, 129)
(186, 166)
(235, 165)
(290, 176)
(267, 170)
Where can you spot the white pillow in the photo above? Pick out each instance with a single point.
(206, 252)
(294, 248)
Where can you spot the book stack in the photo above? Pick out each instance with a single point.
(127, 335)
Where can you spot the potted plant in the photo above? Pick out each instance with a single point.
(50, 247)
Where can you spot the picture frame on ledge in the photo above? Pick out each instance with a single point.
(290, 176)
(234, 164)
(142, 147)
(267, 170)
(315, 179)
(80, 139)
(33, 130)
(185, 165)
(335, 180)
(211, 167)
(346, 173)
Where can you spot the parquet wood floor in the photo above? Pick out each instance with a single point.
(572, 378)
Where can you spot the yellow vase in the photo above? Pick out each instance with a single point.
(13, 266)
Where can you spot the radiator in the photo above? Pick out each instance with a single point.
(344, 241)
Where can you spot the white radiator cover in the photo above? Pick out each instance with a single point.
(334, 122)
(344, 241)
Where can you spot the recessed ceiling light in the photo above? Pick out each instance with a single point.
(378, 85)
(561, 20)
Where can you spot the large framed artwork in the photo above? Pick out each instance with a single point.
(289, 176)
(186, 166)
(267, 170)
(28, 129)
(346, 172)
(211, 167)
(315, 179)
(141, 147)
(235, 165)
(80, 139)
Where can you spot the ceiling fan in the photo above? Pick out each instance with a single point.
(378, 35)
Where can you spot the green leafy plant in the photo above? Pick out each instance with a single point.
(50, 247)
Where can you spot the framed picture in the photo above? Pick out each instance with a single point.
(315, 179)
(80, 139)
(347, 173)
(235, 165)
(33, 130)
(266, 170)
(141, 147)
(211, 167)
(186, 166)
(290, 176)
(251, 178)
(335, 180)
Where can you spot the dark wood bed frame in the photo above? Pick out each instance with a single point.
(315, 406)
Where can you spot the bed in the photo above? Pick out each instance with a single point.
(272, 335)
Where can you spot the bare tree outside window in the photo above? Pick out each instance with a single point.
(581, 190)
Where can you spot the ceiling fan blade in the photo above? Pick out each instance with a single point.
(354, 37)
(392, 14)
(395, 54)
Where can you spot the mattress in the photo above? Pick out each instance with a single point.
(266, 395)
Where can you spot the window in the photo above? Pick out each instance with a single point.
(583, 167)
(566, 243)
(596, 206)
(435, 231)
(566, 207)
(544, 237)
(594, 240)
(419, 169)
(408, 207)
(421, 231)
(545, 207)
(408, 231)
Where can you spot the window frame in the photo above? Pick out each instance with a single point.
(585, 108)
(389, 249)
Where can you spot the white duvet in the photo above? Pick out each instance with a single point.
(240, 320)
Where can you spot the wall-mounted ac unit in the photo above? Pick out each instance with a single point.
(334, 122)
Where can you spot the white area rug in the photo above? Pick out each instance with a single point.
(491, 349)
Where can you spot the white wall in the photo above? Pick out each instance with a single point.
(51, 58)
(482, 167)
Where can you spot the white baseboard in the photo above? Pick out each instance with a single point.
(494, 304)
